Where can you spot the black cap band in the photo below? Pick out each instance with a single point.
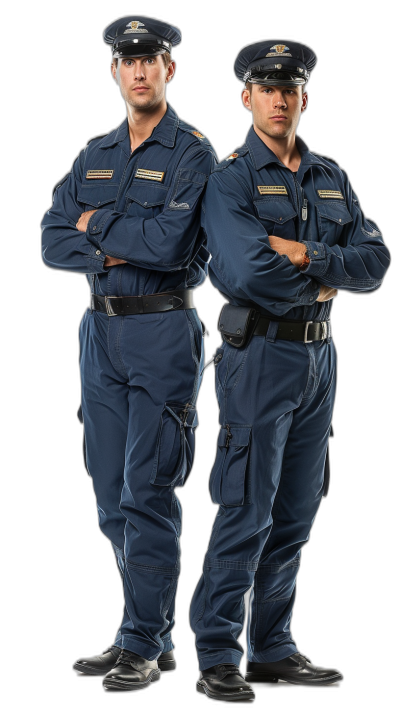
(146, 45)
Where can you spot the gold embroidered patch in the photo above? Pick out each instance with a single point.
(152, 175)
(327, 193)
(233, 156)
(279, 190)
(199, 136)
(100, 174)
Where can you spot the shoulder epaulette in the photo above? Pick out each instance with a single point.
(101, 136)
(191, 130)
(231, 158)
(326, 158)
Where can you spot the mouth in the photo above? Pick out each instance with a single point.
(141, 89)
(278, 117)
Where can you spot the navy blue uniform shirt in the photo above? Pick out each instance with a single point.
(148, 211)
(253, 195)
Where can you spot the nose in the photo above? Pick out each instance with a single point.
(279, 102)
(139, 71)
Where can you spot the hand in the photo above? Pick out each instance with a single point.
(84, 220)
(326, 293)
(295, 251)
(110, 261)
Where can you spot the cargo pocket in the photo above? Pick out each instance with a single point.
(175, 445)
(80, 417)
(327, 470)
(228, 483)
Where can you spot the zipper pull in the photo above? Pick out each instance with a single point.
(228, 436)
(304, 210)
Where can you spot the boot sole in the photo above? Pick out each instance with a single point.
(166, 666)
(246, 696)
(254, 677)
(126, 686)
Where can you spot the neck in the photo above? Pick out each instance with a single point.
(284, 148)
(142, 122)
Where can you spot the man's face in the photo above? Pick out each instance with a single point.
(142, 80)
(276, 110)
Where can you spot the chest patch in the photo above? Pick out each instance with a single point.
(327, 193)
(275, 190)
(100, 174)
(152, 175)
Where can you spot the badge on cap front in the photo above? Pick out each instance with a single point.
(133, 26)
(279, 50)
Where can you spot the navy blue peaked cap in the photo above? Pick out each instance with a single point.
(135, 35)
(275, 62)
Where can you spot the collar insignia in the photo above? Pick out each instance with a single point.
(133, 26)
(233, 156)
(279, 50)
(327, 193)
(275, 190)
(199, 136)
(152, 175)
(100, 174)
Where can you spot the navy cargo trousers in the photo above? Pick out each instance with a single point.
(276, 400)
(140, 378)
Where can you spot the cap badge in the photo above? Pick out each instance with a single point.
(133, 26)
(279, 50)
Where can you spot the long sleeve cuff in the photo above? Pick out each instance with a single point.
(96, 224)
(95, 260)
(318, 259)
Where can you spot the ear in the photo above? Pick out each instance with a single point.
(304, 101)
(170, 71)
(246, 99)
(114, 70)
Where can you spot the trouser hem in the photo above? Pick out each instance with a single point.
(273, 655)
(220, 657)
(149, 652)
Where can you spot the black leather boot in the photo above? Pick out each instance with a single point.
(224, 681)
(131, 672)
(101, 664)
(296, 669)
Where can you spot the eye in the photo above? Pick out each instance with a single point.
(128, 63)
(150, 60)
(267, 90)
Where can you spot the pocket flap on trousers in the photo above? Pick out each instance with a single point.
(228, 485)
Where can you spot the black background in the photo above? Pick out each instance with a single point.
(342, 611)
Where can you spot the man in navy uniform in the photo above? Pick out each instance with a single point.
(128, 215)
(286, 232)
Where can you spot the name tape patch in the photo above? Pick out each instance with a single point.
(152, 175)
(100, 174)
(327, 193)
(279, 190)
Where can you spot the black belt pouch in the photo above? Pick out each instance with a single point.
(236, 324)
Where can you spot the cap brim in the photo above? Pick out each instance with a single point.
(139, 46)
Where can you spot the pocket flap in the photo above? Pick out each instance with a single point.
(275, 209)
(334, 211)
(97, 195)
(147, 194)
(228, 485)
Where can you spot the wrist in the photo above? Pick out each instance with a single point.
(305, 261)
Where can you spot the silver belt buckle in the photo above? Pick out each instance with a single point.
(110, 311)
(306, 331)
(324, 330)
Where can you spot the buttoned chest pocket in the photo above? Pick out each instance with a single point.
(97, 196)
(277, 216)
(332, 216)
(145, 200)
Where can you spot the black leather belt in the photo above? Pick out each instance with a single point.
(303, 331)
(142, 304)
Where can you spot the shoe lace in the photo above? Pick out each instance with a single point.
(226, 669)
(114, 649)
(125, 657)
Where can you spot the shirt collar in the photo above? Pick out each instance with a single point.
(261, 155)
(164, 132)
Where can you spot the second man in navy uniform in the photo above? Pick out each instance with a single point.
(286, 232)
(128, 216)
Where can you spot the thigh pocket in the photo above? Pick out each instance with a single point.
(175, 445)
(229, 484)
